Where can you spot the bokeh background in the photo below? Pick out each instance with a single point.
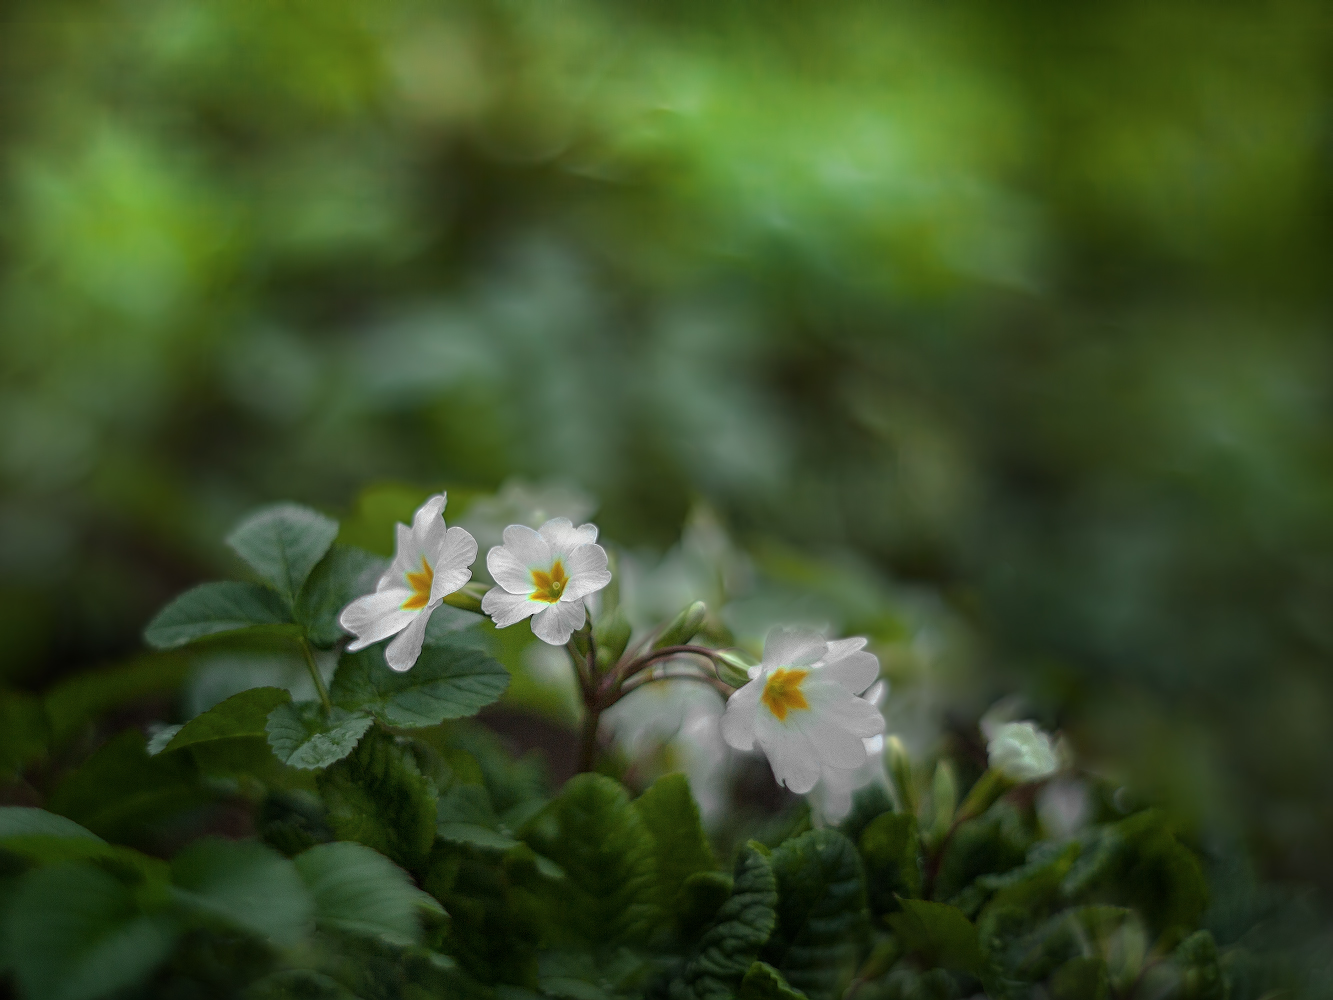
(1017, 313)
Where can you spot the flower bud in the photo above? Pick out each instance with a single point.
(611, 634)
(733, 667)
(1022, 752)
(469, 597)
(944, 795)
(899, 766)
(683, 627)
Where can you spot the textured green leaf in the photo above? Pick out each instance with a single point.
(447, 682)
(465, 816)
(244, 714)
(246, 884)
(378, 797)
(672, 818)
(282, 544)
(594, 833)
(763, 982)
(700, 898)
(73, 932)
(211, 608)
(362, 892)
(821, 912)
(302, 736)
(732, 943)
(890, 848)
(343, 575)
(939, 932)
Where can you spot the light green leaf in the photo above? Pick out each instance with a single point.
(246, 884)
(447, 682)
(941, 933)
(344, 574)
(282, 544)
(593, 832)
(302, 736)
(737, 934)
(821, 910)
(213, 608)
(763, 982)
(377, 796)
(244, 714)
(669, 812)
(75, 933)
(362, 892)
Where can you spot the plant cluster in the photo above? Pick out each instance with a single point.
(399, 850)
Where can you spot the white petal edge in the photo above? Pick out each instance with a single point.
(793, 648)
(402, 653)
(453, 566)
(509, 571)
(506, 609)
(556, 623)
(376, 616)
(738, 719)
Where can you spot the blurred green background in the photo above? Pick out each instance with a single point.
(1025, 306)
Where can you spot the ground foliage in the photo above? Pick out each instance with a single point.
(399, 851)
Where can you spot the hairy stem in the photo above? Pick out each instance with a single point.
(313, 667)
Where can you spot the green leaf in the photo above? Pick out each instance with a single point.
(1200, 972)
(763, 982)
(447, 682)
(212, 608)
(996, 841)
(465, 816)
(302, 736)
(122, 794)
(244, 714)
(46, 838)
(737, 934)
(821, 912)
(890, 848)
(246, 884)
(73, 932)
(282, 544)
(593, 832)
(1083, 977)
(343, 575)
(939, 932)
(868, 804)
(378, 797)
(670, 814)
(22, 821)
(361, 892)
(700, 898)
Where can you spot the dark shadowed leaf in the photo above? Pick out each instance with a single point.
(362, 892)
(763, 982)
(344, 574)
(211, 608)
(940, 933)
(247, 884)
(244, 714)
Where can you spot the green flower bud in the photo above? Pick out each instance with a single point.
(733, 667)
(684, 627)
(899, 766)
(1022, 752)
(944, 793)
(469, 597)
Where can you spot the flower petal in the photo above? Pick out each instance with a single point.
(839, 648)
(376, 616)
(428, 516)
(406, 558)
(855, 671)
(586, 567)
(789, 753)
(454, 556)
(793, 648)
(509, 571)
(402, 653)
(738, 720)
(505, 608)
(530, 548)
(564, 538)
(833, 745)
(557, 622)
(833, 702)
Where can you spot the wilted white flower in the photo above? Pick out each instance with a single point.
(801, 705)
(1022, 752)
(432, 561)
(545, 574)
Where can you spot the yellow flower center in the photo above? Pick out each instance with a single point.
(420, 584)
(549, 586)
(782, 693)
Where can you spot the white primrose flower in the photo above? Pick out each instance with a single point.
(1022, 752)
(545, 574)
(801, 705)
(432, 562)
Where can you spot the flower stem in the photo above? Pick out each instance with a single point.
(588, 738)
(313, 667)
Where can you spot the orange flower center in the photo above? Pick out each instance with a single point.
(782, 693)
(549, 586)
(420, 584)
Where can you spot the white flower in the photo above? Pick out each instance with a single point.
(432, 561)
(545, 573)
(801, 705)
(1022, 752)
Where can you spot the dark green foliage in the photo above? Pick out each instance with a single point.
(292, 821)
(303, 735)
(242, 715)
(821, 912)
(245, 884)
(763, 982)
(890, 847)
(996, 841)
(597, 837)
(733, 941)
(345, 573)
(447, 682)
(357, 891)
(378, 797)
(868, 803)
(939, 933)
(282, 544)
(681, 850)
(212, 608)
